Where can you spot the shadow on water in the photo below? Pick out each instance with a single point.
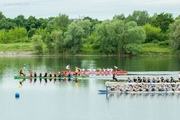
(140, 95)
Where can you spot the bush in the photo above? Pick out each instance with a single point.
(164, 43)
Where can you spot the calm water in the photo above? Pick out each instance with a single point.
(80, 101)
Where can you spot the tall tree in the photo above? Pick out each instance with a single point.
(108, 35)
(38, 43)
(60, 22)
(162, 20)
(140, 17)
(58, 41)
(132, 38)
(20, 20)
(1, 16)
(3, 36)
(119, 17)
(85, 25)
(73, 38)
(175, 34)
(152, 33)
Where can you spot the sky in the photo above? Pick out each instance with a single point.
(96, 9)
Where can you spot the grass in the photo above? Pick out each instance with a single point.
(16, 47)
(87, 49)
(150, 48)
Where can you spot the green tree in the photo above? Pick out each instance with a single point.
(18, 34)
(175, 34)
(152, 33)
(108, 35)
(60, 22)
(3, 36)
(85, 25)
(132, 37)
(119, 17)
(73, 38)
(38, 43)
(49, 44)
(162, 20)
(42, 32)
(4, 24)
(19, 20)
(140, 17)
(58, 41)
(1, 16)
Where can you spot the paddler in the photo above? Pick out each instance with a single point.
(116, 68)
(114, 78)
(68, 67)
(21, 72)
(76, 70)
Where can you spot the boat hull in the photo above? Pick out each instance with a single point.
(139, 92)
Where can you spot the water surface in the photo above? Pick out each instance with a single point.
(67, 100)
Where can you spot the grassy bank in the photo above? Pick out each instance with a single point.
(154, 48)
(16, 47)
(148, 48)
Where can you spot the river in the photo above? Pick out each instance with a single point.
(66, 100)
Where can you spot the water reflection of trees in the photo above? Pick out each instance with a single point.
(142, 95)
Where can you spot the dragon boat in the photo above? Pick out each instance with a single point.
(33, 77)
(140, 88)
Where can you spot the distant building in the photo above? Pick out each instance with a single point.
(80, 18)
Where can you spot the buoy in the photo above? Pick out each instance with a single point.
(17, 95)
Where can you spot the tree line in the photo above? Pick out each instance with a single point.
(121, 35)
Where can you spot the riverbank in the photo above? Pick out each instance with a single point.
(16, 53)
(22, 49)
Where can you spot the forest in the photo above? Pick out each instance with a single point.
(121, 35)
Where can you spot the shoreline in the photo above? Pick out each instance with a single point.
(16, 53)
(32, 53)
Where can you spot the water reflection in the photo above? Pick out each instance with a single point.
(40, 80)
(147, 95)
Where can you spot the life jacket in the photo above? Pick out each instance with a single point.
(30, 75)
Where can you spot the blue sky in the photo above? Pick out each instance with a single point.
(100, 9)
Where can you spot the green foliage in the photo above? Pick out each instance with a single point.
(3, 36)
(86, 26)
(108, 35)
(58, 41)
(149, 48)
(119, 17)
(119, 35)
(152, 33)
(165, 43)
(20, 20)
(175, 34)
(18, 34)
(133, 48)
(132, 35)
(49, 44)
(162, 20)
(140, 17)
(42, 32)
(60, 22)
(38, 44)
(73, 38)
